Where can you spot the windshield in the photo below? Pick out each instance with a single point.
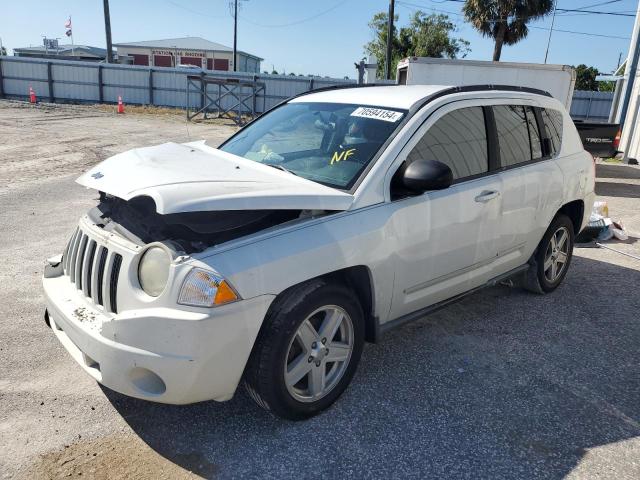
(329, 143)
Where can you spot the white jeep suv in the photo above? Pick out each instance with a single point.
(329, 220)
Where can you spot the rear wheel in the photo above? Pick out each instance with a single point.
(552, 258)
(308, 350)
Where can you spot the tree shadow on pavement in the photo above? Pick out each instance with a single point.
(614, 189)
(617, 171)
(504, 384)
(617, 189)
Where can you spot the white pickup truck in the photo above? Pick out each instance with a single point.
(329, 220)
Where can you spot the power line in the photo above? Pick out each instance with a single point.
(296, 22)
(405, 4)
(599, 4)
(620, 14)
(196, 12)
(411, 6)
(567, 11)
(589, 34)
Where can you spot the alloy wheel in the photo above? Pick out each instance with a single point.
(319, 353)
(556, 255)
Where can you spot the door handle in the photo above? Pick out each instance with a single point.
(487, 195)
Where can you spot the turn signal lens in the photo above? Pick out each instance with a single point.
(204, 288)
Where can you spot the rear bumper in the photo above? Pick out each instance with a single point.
(160, 354)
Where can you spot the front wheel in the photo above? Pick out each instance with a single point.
(307, 351)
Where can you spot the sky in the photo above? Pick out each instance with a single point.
(312, 37)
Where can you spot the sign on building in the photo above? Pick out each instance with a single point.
(50, 43)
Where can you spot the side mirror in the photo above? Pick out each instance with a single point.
(424, 175)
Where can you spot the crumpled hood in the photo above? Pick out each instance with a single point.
(195, 177)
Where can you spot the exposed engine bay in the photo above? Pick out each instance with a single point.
(138, 221)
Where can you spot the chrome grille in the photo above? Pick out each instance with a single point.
(93, 269)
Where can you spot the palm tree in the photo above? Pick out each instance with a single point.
(504, 20)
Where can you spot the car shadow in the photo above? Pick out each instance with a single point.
(503, 384)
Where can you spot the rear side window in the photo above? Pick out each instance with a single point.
(513, 134)
(459, 140)
(534, 134)
(553, 125)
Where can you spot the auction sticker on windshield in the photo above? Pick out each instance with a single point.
(377, 113)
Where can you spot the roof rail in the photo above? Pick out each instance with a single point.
(508, 88)
(446, 91)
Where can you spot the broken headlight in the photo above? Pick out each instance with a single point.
(204, 288)
(153, 271)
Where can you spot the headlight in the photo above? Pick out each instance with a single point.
(153, 271)
(203, 288)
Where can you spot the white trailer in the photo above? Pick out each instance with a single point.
(558, 80)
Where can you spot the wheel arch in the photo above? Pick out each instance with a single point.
(575, 211)
(359, 279)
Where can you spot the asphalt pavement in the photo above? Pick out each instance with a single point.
(505, 384)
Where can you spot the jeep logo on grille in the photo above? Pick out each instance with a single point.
(97, 175)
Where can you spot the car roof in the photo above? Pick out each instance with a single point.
(401, 96)
(390, 96)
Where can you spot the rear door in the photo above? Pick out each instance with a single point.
(531, 182)
(445, 241)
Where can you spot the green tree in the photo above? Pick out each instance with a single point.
(3, 52)
(610, 86)
(425, 36)
(606, 86)
(505, 21)
(586, 78)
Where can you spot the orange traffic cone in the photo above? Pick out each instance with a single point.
(120, 105)
(32, 95)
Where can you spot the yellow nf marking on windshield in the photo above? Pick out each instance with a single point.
(337, 157)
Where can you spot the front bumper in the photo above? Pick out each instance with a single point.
(164, 355)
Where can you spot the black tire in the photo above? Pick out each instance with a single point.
(264, 376)
(536, 280)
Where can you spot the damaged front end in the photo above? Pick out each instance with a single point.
(138, 221)
(195, 196)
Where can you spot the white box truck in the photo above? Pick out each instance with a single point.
(558, 80)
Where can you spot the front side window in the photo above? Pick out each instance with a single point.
(459, 140)
(513, 134)
(329, 143)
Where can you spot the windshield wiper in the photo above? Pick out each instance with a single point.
(280, 167)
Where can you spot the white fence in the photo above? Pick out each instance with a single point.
(71, 81)
(591, 106)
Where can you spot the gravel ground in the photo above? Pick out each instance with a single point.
(504, 384)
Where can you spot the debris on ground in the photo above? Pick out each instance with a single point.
(601, 227)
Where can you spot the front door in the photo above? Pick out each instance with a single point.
(447, 240)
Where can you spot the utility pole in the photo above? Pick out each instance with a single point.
(387, 63)
(235, 36)
(553, 20)
(107, 29)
